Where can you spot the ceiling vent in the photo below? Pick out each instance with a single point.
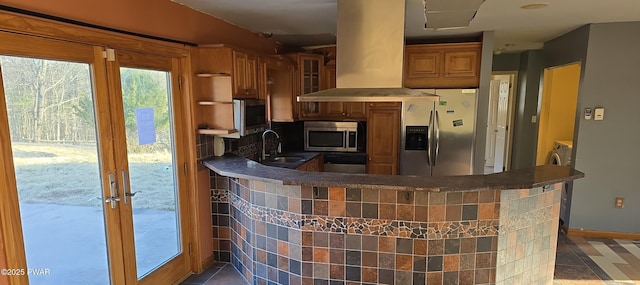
(449, 14)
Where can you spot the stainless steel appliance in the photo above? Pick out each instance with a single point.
(370, 69)
(331, 136)
(350, 162)
(249, 116)
(437, 137)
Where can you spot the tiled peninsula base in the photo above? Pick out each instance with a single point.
(277, 234)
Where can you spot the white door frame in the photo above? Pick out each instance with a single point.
(513, 79)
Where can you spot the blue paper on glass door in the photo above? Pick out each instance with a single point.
(146, 126)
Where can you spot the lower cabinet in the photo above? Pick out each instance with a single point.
(383, 138)
(314, 165)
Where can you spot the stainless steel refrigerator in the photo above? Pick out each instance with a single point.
(437, 137)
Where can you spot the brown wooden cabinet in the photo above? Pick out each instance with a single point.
(333, 109)
(240, 65)
(245, 75)
(213, 90)
(262, 78)
(280, 79)
(357, 110)
(329, 76)
(340, 110)
(309, 73)
(314, 165)
(442, 65)
(344, 110)
(383, 138)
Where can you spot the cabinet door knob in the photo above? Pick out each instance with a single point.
(343, 114)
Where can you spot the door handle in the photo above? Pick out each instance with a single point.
(437, 130)
(113, 191)
(113, 201)
(429, 131)
(127, 187)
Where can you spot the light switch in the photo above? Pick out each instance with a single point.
(534, 119)
(588, 113)
(598, 114)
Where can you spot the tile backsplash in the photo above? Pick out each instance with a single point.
(247, 146)
(204, 146)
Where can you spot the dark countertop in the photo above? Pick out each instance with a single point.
(293, 165)
(239, 167)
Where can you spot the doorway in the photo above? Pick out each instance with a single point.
(500, 120)
(93, 160)
(557, 111)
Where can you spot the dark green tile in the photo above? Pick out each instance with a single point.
(354, 194)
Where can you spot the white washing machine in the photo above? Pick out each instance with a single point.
(561, 153)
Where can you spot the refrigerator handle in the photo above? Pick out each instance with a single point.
(429, 131)
(437, 141)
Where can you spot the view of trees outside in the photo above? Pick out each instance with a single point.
(51, 101)
(50, 106)
(146, 89)
(52, 124)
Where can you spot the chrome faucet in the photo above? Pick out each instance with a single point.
(264, 148)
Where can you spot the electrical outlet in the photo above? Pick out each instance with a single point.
(619, 202)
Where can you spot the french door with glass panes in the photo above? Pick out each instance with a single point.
(93, 190)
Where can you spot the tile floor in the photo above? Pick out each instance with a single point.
(579, 261)
(217, 274)
(597, 261)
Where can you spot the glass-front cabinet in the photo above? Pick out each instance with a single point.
(310, 69)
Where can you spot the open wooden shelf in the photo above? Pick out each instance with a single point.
(214, 74)
(211, 103)
(216, 131)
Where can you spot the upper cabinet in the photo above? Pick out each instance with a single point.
(340, 110)
(262, 78)
(213, 90)
(332, 109)
(329, 76)
(309, 72)
(241, 65)
(245, 75)
(279, 82)
(442, 65)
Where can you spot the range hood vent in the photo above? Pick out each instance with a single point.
(449, 14)
(370, 53)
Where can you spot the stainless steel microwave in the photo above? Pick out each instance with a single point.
(249, 116)
(331, 136)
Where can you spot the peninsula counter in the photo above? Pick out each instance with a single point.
(292, 227)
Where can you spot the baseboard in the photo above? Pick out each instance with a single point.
(603, 234)
(207, 262)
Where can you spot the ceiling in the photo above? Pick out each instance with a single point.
(313, 22)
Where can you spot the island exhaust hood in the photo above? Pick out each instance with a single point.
(370, 50)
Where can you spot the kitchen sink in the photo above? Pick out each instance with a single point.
(286, 159)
